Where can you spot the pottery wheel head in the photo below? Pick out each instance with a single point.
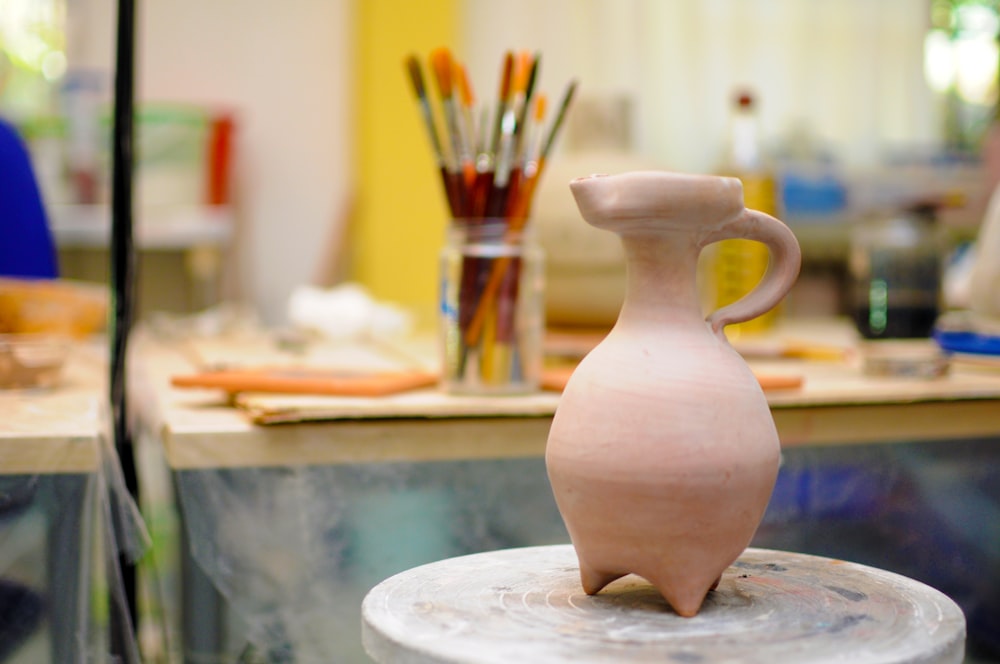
(678, 201)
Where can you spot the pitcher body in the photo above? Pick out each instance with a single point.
(663, 453)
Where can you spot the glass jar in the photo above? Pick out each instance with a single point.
(895, 267)
(491, 315)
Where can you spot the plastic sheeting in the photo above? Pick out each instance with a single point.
(65, 519)
(930, 511)
(294, 550)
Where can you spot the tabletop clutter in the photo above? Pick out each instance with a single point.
(39, 321)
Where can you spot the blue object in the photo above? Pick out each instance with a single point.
(962, 341)
(27, 249)
(804, 195)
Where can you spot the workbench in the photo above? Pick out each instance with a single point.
(51, 485)
(293, 522)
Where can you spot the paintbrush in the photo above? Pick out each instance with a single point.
(447, 171)
(522, 127)
(520, 132)
(503, 100)
(443, 66)
(496, 204)
(523, 201)
(534, 149)
(496, 200)
(517, 221)
(467, 124)
(558, 121)
(498, 337)
(486, 160)
(481, 136)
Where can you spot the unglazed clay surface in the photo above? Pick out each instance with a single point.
(663, 454)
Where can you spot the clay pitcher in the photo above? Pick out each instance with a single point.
(663, 453)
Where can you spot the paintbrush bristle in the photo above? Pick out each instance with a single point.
(416, 77)
(464, 86)
(522, 71)
(529, 86)
(441, 61)
(540, 106)
(507, 76)
(560, 116)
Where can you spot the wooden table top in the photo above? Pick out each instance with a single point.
(771, 606)
(58, 429)
(837, 403)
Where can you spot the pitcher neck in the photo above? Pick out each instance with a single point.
(661, 284)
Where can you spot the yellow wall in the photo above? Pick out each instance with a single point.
(400, 216)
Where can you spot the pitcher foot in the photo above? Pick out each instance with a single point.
(594, 580)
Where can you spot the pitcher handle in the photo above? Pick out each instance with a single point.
(782, 268)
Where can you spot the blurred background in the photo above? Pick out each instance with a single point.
(281, 146)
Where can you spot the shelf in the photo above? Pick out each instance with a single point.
(166, 228)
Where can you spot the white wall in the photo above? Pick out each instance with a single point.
(285, 68)
(851, 69)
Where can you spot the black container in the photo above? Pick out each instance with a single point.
(895, 266)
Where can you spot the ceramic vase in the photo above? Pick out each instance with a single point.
(663, 453)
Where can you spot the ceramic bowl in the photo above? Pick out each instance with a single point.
(30, 361)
